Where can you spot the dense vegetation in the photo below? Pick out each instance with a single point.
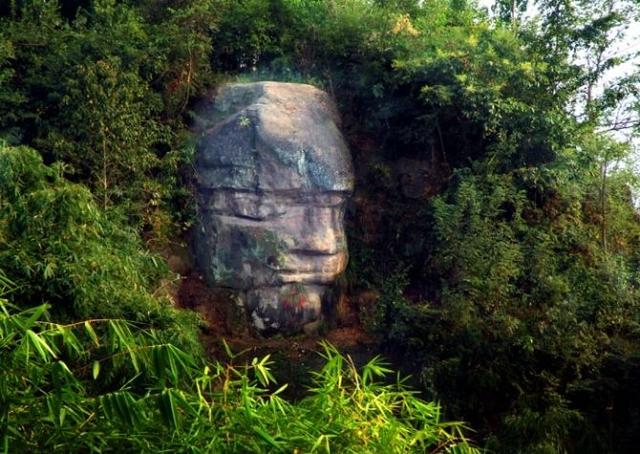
(95, 386)
(507, 282)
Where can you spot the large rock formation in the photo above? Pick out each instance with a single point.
(274, 174)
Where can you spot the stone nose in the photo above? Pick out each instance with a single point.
(321, 231)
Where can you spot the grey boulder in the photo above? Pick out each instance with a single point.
(274, 174)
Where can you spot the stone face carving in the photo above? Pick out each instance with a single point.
(274, 174)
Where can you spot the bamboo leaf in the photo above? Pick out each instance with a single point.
(95, 369)
(266, 437)
(168, 410)
(40, 345)
(92, 334)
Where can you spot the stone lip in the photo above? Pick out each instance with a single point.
(273, 177)
(271, 136)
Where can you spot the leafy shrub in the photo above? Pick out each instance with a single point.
(106, 385)
(105, 90)
(60, 248)
(532, 320)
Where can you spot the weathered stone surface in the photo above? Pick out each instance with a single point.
(274, 174)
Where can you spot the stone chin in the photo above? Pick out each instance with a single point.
(303, 283)
(285, 308)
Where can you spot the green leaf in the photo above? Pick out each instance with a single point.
(95, 369)
(92, 334)
(40, 345)
(168, 410)
(266, 436)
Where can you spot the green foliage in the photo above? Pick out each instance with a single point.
(104, 90)
(58, 247)
(513, 292)
(530, 313)
(106, 385)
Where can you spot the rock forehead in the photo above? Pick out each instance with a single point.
(271, 136)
